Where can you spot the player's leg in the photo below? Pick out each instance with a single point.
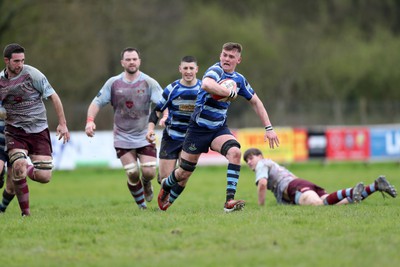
(173, 186)
(227, 146)
(42, 168)
(382, 185)
(8, 193)
(170, 150)
(2, 173)
(165, 167)
(306, 193)
(353, 195)
(197, 141)
(308, 198)
(128, 160)
(18, 162)
(148, 163)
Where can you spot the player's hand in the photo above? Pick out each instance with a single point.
(90, 128)
(232, 95)
(162, 121)
(62, 132)
(272, 138)
(151, 137)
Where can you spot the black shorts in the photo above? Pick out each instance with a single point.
(3, 156)
(198, 139)
(170, 148)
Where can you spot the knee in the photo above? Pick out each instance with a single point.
(19, 169)
(43, 176)
(234, 154)
(132, 171)
(186, 168)
(149, 169)
(231, 150)
(18, 165)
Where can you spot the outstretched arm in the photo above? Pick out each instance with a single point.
(62, 129)
(90, 128)
(261, 190)
(270, 134)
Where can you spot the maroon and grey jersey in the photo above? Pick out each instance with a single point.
(131, 102)
(22, 97)
(278, 177)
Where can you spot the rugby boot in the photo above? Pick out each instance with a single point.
(385, 187)
(234, 205)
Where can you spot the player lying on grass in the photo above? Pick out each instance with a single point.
(289, 189)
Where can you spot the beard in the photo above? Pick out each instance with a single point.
(132, 70)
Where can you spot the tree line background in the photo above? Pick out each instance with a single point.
(312, 62)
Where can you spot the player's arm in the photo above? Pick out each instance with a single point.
(153, 119)
(260, 110)
(211, 86)
(62, 129)
(262, 191)
(164, 118)
(92, 112)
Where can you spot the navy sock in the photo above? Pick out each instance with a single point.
(176, 190)
(232, 178)
(170, 181)
(6, 200)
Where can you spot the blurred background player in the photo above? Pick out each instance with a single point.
(130, 94)
(289, 189)
(8, 192)
(178, 102)
(208, 130)
(22, 90)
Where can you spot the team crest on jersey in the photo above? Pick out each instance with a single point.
(192, 147)
(18, 99)
(140, 91)
(129, 104)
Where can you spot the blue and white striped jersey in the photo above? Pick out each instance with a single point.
(211, 113)
(180, 101)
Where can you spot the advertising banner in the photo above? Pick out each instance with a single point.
(348, 143)
(254, 137)
(300, 144)
(385, 143)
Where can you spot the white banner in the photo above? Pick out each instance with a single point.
(83, 151)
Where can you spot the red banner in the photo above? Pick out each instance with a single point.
(348, 143)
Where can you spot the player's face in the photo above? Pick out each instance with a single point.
(15, 64)
(188, 71)
(229, 60)
(252, 161)
(131, 62)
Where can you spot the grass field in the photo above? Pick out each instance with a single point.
(87, 218)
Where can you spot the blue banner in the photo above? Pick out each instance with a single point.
(385, 143)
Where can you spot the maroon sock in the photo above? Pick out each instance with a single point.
(30, 172)
(137, 192)
(22, 193)
(338, 196)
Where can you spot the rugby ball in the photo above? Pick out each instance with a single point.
(229, 84)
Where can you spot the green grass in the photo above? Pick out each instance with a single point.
(87, 218)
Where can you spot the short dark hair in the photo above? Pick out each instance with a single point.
(251, 152)
(129, 49)
(231, 46)
(189, 59)
(12, 48)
